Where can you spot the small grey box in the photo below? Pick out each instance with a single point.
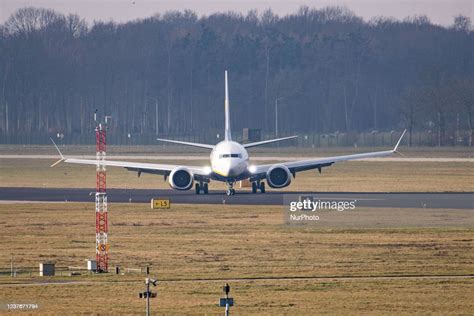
(46, 269)
(91, 265)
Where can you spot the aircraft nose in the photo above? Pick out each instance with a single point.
(231, 168)
(223, 168)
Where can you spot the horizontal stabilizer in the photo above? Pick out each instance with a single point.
(186, 143)
(264, 142)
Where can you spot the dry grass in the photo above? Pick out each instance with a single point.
(349, 176)
(304, 297)
(209, 241)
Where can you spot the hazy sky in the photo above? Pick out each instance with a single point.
(439, 11)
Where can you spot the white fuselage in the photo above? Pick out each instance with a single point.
(229, 159)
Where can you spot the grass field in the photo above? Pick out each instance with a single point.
(371, 261)
(286, 297)
(187, 243)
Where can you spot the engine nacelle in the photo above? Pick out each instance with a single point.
(181, 179)
(278, 176)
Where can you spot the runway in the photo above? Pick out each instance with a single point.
(451, 200)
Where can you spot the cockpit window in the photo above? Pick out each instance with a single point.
(230, 156)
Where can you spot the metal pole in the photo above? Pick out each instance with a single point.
(276, 118)
(276, 115)
(168, 127)
(227, 304)
(156, 117)
(147, 297)
(6, 115)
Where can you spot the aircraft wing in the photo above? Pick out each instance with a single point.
(318, 163)
(139, 167)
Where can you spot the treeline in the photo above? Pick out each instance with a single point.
(326, 70)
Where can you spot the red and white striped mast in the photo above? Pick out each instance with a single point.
(101, 208)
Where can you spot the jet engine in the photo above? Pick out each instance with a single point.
(278, 176)
(181, 179)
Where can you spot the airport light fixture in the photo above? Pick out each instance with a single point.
(226, 301)
(147, 294)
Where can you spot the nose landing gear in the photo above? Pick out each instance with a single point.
(230, 189)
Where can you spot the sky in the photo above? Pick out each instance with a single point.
(440, 12)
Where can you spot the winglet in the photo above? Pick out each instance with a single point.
(399, 140)
(60, 154)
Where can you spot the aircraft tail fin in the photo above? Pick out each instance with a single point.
(227, 131)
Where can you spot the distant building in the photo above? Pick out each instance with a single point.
(251, 135)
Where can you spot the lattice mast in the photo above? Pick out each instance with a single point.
(101, 210)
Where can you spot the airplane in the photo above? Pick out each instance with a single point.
(229, 163)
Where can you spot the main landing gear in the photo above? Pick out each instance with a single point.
(258, 185)
(202, 187)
